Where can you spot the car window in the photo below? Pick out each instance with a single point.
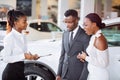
(2, 31)
(112, 34)
(2, 25)
(45, 27)
(53, 27)
(40, 27)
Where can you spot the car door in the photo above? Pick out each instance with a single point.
(112, 34)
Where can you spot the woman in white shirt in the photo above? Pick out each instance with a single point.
(15, 47)
(97, 50)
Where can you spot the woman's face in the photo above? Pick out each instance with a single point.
(21, 23)
(88, 26)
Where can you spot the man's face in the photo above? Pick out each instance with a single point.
(71, 22)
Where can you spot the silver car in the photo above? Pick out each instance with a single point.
(43, 29)
(112, 33)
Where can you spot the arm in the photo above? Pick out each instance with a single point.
(101, 58)
(11, 55)
(61, 58)
(85, 72)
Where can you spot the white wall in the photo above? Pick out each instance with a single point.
(9, 2)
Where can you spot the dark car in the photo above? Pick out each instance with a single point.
(2, 32)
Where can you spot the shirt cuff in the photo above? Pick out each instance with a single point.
(87, 58)
(22, 56)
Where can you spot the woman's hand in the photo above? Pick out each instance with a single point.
(82, 56)
(78, 57)
(58, 78)
(28, 56)
(35, 57)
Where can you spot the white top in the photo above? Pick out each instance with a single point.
(97, 57)
(74, 32)
(14, 47)
(97, 60)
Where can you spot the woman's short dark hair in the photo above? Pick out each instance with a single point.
(14, 15)
(96, 18)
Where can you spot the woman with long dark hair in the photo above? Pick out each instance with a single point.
(15, 47)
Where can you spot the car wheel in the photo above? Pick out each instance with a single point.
(1, 47)
(36, 73)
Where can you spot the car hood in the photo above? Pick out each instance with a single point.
(45, 47)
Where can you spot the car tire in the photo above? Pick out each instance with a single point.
(1, 47)
(42, 73)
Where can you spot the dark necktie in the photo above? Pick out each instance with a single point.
(71, 38)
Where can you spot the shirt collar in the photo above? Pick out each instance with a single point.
(76, 29)
(98, 33)
(16, 32)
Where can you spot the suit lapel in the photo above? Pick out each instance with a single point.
(76, 36)
(67, 39)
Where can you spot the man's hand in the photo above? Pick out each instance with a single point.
(58, 78)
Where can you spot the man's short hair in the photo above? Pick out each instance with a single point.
(71, 12)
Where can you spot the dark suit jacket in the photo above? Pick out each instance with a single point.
(69, 65)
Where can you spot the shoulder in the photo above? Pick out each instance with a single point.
(101, 43)
(66, 32)
(80, 28)
(9, 37)
(84, 35)
(82, 31)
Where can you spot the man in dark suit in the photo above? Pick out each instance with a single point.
(74, 41)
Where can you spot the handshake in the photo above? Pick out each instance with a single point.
(30, 56)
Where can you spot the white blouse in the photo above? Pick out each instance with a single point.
(97, 57)
(14, 47)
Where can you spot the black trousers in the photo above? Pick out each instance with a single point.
(14, 71)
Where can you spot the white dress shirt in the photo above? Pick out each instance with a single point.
(14, 47)
(74, 32)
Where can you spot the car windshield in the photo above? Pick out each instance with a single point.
(112, 34)
(45, 27)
